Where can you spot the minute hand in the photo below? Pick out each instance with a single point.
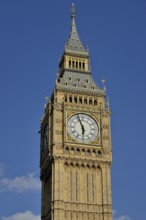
(82, 126)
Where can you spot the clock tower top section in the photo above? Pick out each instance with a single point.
(74, 74)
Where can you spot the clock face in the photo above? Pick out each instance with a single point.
(82, 128)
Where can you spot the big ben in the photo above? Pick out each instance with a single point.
(75, 152)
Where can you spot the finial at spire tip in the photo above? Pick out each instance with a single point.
(73, 11)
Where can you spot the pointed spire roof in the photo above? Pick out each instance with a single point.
(74, 43)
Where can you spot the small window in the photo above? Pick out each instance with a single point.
(66, 150)
(94, 154)
(80, 100)
(83, 66)
(70, 99)
(75, 99)
(78, 151)
(88, 166)
(69, 63)
(90, 102)
(88, 153)
(72, 151)
(95, 102)
(82, 166)
(65, 98)
(83, 152)
(66, 165)
(72, 165)
(99, 154)
(85, 101)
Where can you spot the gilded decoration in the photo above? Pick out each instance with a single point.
(97, 141)
(69, 138)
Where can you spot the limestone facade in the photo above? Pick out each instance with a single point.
(75, 175)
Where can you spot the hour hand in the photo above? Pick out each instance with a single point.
(83, 129)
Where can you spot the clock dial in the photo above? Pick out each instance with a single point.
(82, 128)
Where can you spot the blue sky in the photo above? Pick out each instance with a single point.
(32, 38)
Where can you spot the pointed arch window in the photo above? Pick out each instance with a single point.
(83, 66)
(83, 152)
(70, 98)
(95, 102)
(90, 102)
(71, 216)
(99, 154)
(71, 175)
(66, 150)
(78, 151)
(87, 187)
(75, 99)
(93, 188)
(76, 186)
(69, 63)
(80, 100)
(65, 98)
(85, 101)
(88, 153)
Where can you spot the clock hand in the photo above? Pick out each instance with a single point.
(83, 129)
(82, 126)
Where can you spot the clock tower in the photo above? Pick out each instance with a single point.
(75, 153)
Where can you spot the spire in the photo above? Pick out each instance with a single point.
(74, 43)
